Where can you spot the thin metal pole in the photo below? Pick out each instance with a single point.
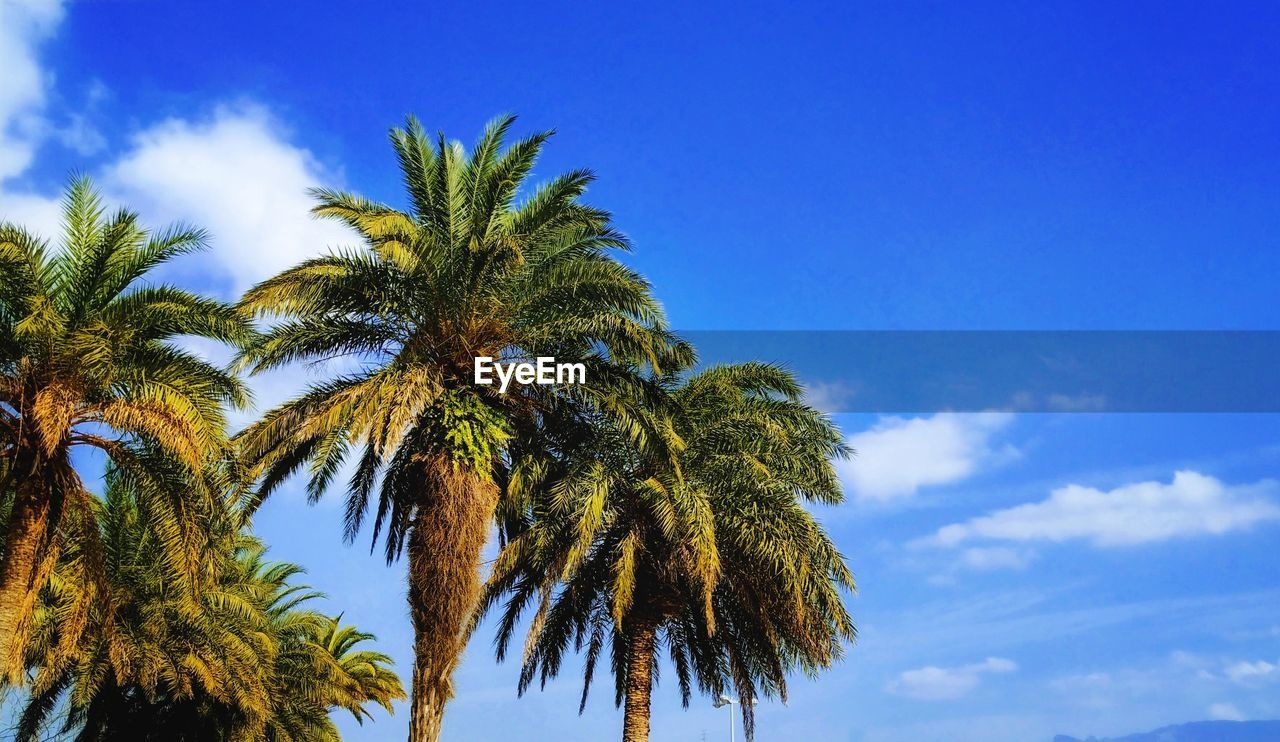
(730, 707)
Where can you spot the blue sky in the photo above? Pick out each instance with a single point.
(793, 166)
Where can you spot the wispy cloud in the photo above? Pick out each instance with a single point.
(995, 557)
(1006, 621)
(1225, 712)
(1192, 503)
(934, 683)
(899, 456)
(830, 396)
(1192, 679)
(948, 566)
(1249, 673)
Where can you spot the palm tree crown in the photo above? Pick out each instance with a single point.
(718, 559)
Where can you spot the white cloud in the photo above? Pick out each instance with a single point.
(974, 559)
(898, 456)
(39, 215)
(1182, 680)
(1247, 673)
(233, 174)
(942, 683)
(995, 557)
(1077, 402)
(1225, 712)
(236, 176)
(1142, 512)
(1057, 402)
(1102, 690)
(81, 136)
(830, 396)
(24, 25)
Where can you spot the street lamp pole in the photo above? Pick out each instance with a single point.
(721, 702)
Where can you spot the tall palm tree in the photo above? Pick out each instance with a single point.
(87, 360)
(481, 264)
(719, 561)
(249, 661)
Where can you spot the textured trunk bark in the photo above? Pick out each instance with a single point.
(21, 574)
(448, 535)
(635, 715)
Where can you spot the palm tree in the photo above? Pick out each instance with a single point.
(719, 560)
(349, 677)
(87, 360)
(249, 662)
(480, 265)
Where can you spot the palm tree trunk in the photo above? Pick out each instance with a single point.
(635, 715)
(20, 573)
(449, 532)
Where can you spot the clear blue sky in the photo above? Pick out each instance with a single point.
(800, 166)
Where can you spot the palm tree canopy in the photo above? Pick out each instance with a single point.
(722, 558)
(90, 357)
(250, 661)
(86, 344)
(480, 264)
